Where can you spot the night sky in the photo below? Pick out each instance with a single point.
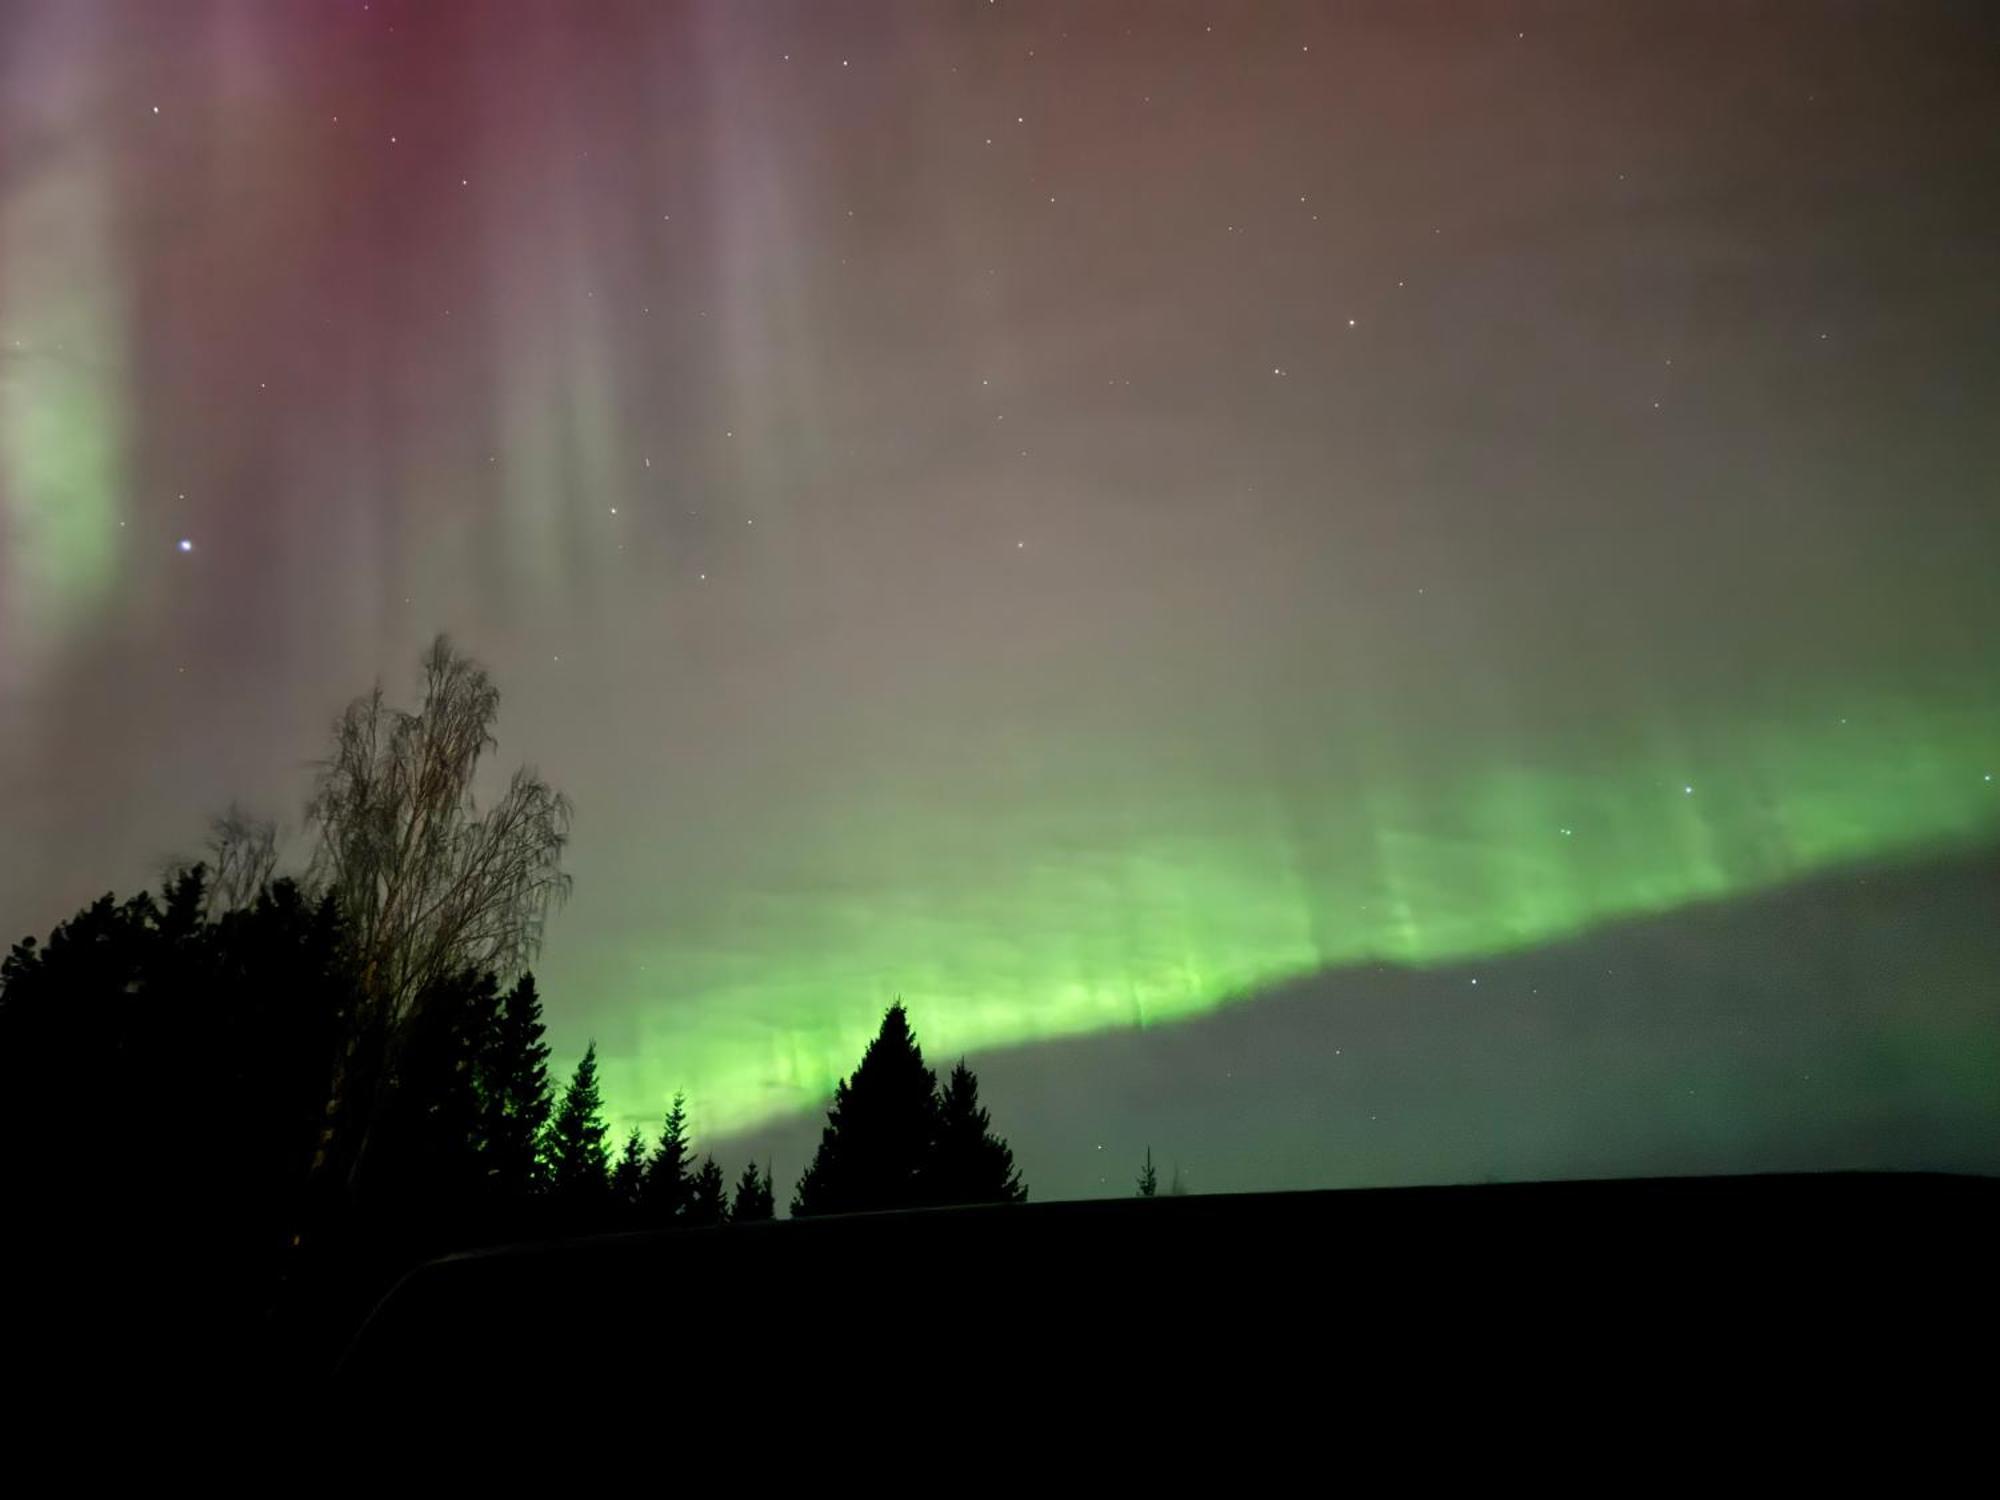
(1354, 593)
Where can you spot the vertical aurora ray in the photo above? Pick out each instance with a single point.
(557, 286)
(62, 401)
(1047, 929)
(1069, 515)
(768, 341)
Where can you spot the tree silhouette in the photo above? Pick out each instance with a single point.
(428, 882)
(74, 997)
(315, 1062)
(668, 1187)
(754, 1202)
(969, 1163)
(514, 1096)
(215, 1036)
(280, 989)
(630, 1172)
(879, 1132)
(1149, 1180)
(215, 1032)
(429, 1169)
(578, 1160)
(710, 1203)
(242, 859)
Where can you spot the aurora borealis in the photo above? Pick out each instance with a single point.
(1087, 518)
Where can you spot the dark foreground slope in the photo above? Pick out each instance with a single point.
(1189, 1300)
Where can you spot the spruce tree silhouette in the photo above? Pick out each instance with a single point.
(969, 1164)
(668, 1186)
(426, 1172)
(77, 997)
(221, 1029)
(578, 1160)
(710, 1203)
(1149, 1180)
(754, 1202)
(879, 1133)
(284, 979)
(629, 1174)
(515, 1097)
(215, 1029)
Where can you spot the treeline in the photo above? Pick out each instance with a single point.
(211, 1074)
(894, 1138)
(467, 1139)
(283, 1080)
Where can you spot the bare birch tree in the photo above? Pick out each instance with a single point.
(242, 858)
(430, 883)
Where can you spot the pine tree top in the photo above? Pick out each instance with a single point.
(754, 1200)
(578, 1158)
(894, 1139)
(970, 1164)
(879, 1129)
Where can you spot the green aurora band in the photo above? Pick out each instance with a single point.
(62, 417)
(670, 377)
(1100, 908)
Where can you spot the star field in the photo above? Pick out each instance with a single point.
(1079, 517)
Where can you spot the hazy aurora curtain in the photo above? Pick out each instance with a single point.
(1092, 519)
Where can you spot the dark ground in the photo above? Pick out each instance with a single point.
(1130, 1307)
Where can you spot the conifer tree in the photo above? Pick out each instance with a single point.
(969, 1163)
(629, 1174)
(710, 1202)
(668, 1186)
(754, 1202)
(216, 1025)
(880, 1130)
(426, 1168)
(578, 1160)
(514, 1095)
(1149, 1180)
